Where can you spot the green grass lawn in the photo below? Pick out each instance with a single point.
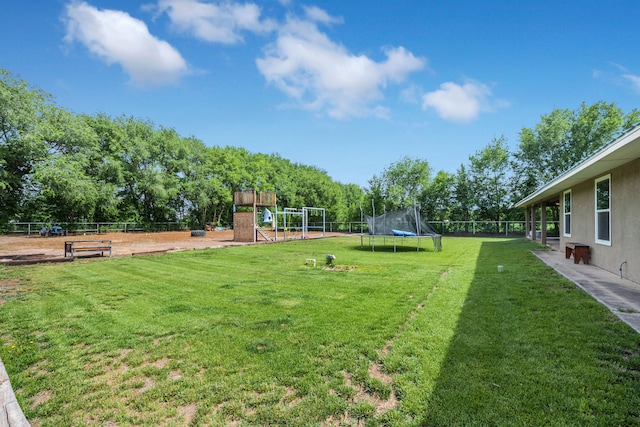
(253, 336)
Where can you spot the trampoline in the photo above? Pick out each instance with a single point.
(400, 227)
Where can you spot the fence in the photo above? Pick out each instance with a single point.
(447, 228)
(96, 227)
(460, 228)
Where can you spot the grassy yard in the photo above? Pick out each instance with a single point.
(253, 336)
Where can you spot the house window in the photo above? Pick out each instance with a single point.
(567, 213)
(603, 210)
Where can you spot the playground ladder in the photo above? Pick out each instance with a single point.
(263, 233)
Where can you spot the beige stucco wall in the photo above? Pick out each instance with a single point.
(625, 221)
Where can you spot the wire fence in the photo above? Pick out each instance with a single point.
(29, 228)
(460, 228)
(446, 228)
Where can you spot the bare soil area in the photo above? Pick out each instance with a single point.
(122, 243)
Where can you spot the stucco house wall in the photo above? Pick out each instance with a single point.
(620, 160)
(625, 221)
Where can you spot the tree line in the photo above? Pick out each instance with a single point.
(495, 178)
(60, 167)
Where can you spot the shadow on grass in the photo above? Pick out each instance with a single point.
(395, 244)
(530, 348)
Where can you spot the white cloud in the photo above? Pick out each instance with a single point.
(218, 23)
(323, 76)
(116, 37)
(621, 76)
(315, 14)
(458, 103)
(634, 80)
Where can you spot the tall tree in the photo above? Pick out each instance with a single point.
(149, 192)
(66, 193)
(439, 198)
(22, 108)
(107, 168)
(563, 138)
(463, 196)
(489, 176)
(401, 184)
(354, 203)
(67, 182)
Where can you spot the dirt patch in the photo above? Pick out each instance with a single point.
(41, 398)
(160, 363)
(188, 413)
(12, 288)
(27, 248)
(340, 268)
(381, 405)
(122, 243)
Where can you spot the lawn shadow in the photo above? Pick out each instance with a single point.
(530, 348)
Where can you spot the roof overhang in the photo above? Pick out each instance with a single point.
(621, 151)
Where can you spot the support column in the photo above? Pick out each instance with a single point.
(534, 228)
(255, 220)
(527, 223)
(543, 223)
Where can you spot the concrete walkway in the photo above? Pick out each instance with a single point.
(621, 296)
(10, 413)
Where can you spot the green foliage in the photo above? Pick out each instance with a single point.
(489, 179)
(463, 195)
(401, 184)
(439, 198)
(354, 197)
(62, 167)
(563, 138)
(21, 147)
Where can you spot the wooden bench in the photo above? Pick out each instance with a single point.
(76, 247)
(580, 251)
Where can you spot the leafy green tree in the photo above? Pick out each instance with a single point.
(107, 168)
(67, 194)
(401, 184)
(354, 199)
(439, 198)
(67, 182)
(202, 187)
(489, 178)
(463, 196)
(22, 108)
(150, 191)
(316, 189)
(563, 138)
(229, 165)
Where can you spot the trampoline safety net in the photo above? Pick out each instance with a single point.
(405, 222)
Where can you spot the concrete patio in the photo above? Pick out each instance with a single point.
(619, 295)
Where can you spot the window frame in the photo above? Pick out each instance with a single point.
(566, 231)
(598, 211)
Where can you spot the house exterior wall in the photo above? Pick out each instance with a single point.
(625, 221)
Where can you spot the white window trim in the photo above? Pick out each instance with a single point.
(565, 213)
(596, 210)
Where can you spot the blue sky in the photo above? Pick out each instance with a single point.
(348, 86)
